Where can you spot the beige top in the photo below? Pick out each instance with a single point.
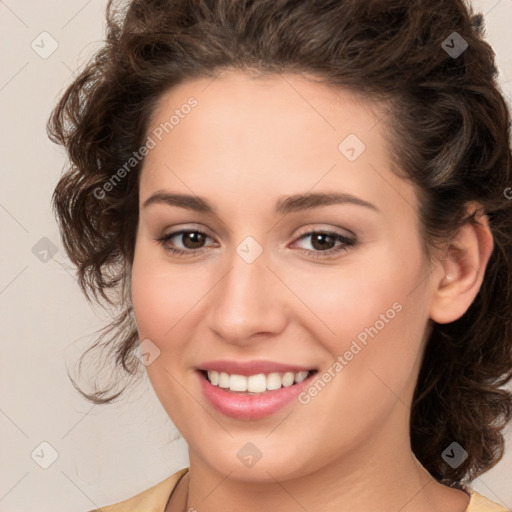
(155, 499)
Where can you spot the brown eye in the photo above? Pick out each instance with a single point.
(324, 243)
(191, 240)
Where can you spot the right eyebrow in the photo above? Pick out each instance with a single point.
(189, 202)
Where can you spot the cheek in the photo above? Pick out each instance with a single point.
(358, 299)
(375, 322)
(378, 326)
(161, 299)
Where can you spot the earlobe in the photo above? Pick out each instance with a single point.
(461, 271)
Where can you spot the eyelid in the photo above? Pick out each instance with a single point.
(326, 229)
(200, 228)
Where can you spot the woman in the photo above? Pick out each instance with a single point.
(300, 211)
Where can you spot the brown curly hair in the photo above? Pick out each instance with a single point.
(450, 133)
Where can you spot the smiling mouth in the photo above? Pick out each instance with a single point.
(255, 384)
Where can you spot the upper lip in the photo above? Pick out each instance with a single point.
(251, 367)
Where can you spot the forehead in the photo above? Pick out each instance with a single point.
(245, 134)
(267, 102)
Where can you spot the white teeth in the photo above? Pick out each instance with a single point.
(223, 380)
(214, 378)
(274, 381)
(300, 376)
(258, 383)
(288, 379)
(237, 383)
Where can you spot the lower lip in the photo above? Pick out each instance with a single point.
(250, 407)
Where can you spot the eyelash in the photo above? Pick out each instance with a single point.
(346, 243)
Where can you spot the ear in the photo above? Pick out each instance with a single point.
(462, 269)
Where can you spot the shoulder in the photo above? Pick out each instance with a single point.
(153, 499)
(479, 503)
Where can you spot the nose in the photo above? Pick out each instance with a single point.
(248, 303)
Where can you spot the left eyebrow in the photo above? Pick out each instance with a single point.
(284, 205)
(300, 202)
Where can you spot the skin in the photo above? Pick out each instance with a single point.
(248, 142)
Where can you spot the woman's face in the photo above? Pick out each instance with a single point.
(341, 287)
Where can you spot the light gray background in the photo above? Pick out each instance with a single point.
(105, 454)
